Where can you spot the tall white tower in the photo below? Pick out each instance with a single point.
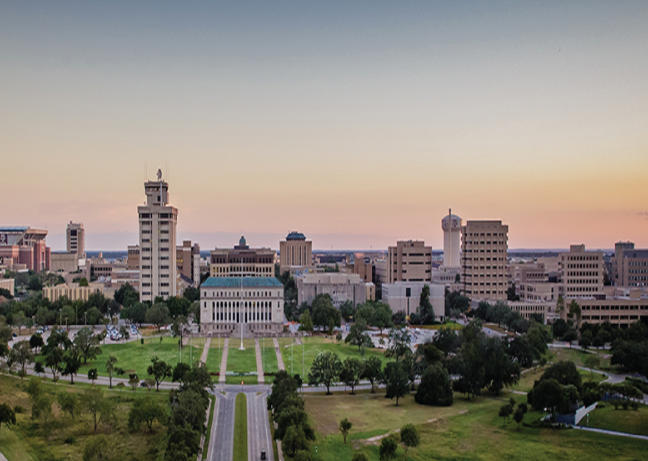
(451, 226)
(158, 221)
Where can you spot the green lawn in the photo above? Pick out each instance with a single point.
(66, 437)
(134, 357)
(577, 356)
(241, 361)
(240, 429)
(268, 356)
(313, 346)
(465, 431)
(527, 379)
(450, 325)
(631, 421)
(214, 355)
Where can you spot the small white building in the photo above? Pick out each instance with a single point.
(406, 296)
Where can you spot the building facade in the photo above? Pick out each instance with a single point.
(582, 272)
(188, 261)
(484, 259)
(340, 287)
(406, 296)
(295, 252)
(64, 262)
(242, 261)
(409, 261)
(451, 226)
(229, 304)
(157, 233)
(76, 239)
(24, 246)
(133, 258)
(72, 292)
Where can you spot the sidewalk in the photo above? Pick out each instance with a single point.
(280, 361)
(259, 361)
(223, 367)
(605, 431)
(205, 352)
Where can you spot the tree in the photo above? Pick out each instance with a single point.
(159, 370)
(324, 313)
(325, 370)
(305, 322)
(7, 415)
(36, 341)
(68, 316)
(592, 361)
(518, 416)
(388, 447)
(179, 372)
(399, 344)
(570, 336)
(425, 309)
(69, 403)
(97, 448)
(359, 457)
(158, 315)
(409, 437)
(397, 381)
(500, 370)
(110, 367)
(574, 311)
(381, 317)
(127, 296)
(549, 393)
(133, 380)
(446, 340)
(505, 412)
(72, 363)
(352, 370)
(565, 372)
(38, 368)
(435, 387)
(137, 313)
(83, 282)
(54, 360)
(93, 374)
(178, 327)
(101, 409)
(22, 355)
(373, 371)
(87, 343)
(347, 310)
(293, 441)
(345, 426)
(145, 410)
(93, 316)
(357, 335)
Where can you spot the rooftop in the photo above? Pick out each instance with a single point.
(295, 236)
(235, 282)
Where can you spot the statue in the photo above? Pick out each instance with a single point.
(159, 174)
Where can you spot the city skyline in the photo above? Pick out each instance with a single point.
(358, 125)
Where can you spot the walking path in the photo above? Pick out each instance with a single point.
(278, 352)
(259, 361)
(203, 357)
(298, 340)
(605, 431)
(223, 367)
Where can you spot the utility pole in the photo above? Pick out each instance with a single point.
(241, 308)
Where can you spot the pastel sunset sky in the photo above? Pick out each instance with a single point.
(358, 123)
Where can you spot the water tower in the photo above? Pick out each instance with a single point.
(451, 226)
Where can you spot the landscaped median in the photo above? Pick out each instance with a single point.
(240, 429)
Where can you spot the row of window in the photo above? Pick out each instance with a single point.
(614, 308)
(583, 274)
(583, 266)
(488, 234)
(584, 258)
(582, 281)
(236, 294)
(249, 317)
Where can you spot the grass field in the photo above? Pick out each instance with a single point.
(313, 346)
(66, 436)
(577, 356)
(241, 361)
(467, 430)
(527, 379)
(631, 421)
(240, 429)
(451, 325)
(214, 355)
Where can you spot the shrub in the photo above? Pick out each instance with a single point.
(19, 409)
(70, 440)
(635, 405)
(625, 404)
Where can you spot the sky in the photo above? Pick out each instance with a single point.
(357, 123)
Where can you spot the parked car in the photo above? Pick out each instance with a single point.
(39, 331)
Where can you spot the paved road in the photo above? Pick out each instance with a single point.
(259, 435)
(221, 442)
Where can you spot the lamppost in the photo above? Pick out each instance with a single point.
(241, 323)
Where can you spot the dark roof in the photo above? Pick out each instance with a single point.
(295, 236)
(235, 282)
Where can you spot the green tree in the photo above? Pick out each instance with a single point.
(54, 360)
(87, 343)
(357, 335)
(388, 447)
(7, 415)
(397, 381)
(93, 374)
(381, 317)
(69, 403)
(399, 344)
(347, 310)
(93, 316)
(110, 367)
(305, 322)
(352, 370)
(324, 313)
(574, 312)
(520, 411)
(100, 408)
(145, 410)
(505, 412)
(68, 317)
(21, 354)
(72, 363)
(137, 313)
(293, 441)
(359, 457)
(178, 327)
(159, 370)
(97, 448)
(565, 372)
(345, 426)
(446, 340)
(36, 341)
(158, 315)
(425, 309)
(435, 387)
(19, 320)
(592, 361)
(373, 371)
(409, 437)
(133, 381)
(325, 370)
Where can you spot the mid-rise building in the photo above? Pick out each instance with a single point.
(406, 296)
(133, 258)
(484, 259)
(157, 233)
(76, 239)
(451, 226)
(8, 284)
(629, 265)
(24, 246)
(409, 261)
(64, 262)
(582, 272)
(254, 304)
(72, 292)
(340, 287)
(188, 261)
(295, 252)
(242, 261)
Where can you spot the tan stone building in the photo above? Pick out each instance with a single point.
(133, 258)
(582, 272)
(64, 262)
(188, 261)
(73, 292)
(295, 252)
(409, 261)
(242, 261)
(75, 236)
(8, 284)
(340, 287)
(157, 222)
(484, 259)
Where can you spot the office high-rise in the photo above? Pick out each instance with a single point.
(157, 224)
(76, 239)
(484, 259)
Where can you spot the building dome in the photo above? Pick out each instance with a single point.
(295, 236)
(242, 241)
(451, 222)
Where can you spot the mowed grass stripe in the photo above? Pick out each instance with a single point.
(240, 429)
